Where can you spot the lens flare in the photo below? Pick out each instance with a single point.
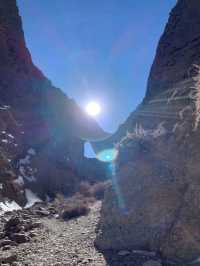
(117, 189)
(108, 155)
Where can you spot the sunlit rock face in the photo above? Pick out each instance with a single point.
(42, 131)
(154, 203)
(179, 49)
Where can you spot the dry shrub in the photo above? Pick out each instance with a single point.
(76, 206)
(95, 191)
(75, 209)
(59, 202)
(81, 198)
(85, 189)
(98, 189)
(79, 204)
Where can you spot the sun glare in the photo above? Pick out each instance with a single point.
(93, 109)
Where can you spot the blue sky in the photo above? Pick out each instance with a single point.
(96, 49)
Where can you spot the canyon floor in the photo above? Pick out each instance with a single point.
(71, 243)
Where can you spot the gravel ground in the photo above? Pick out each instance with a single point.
(71, 243)
(62, 243)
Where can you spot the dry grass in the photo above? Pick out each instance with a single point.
(75, 209)
(94, 191)
(79, 204)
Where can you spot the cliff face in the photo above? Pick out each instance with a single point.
(154, 201)
(16, 67)
(42, 131)
(178, 50)
(174, 74)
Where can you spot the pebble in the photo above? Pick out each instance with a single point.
(8, 258)
(20, 238)
(6, 247)
(6, 242)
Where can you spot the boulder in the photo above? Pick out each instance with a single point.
(154, 202)
(8, 258)
(20, 238)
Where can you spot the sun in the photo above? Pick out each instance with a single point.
(93, 108)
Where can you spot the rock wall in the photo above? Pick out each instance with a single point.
(178, 50)
(42, 131)
(155, 198)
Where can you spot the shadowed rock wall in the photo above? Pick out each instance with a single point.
(42, 131)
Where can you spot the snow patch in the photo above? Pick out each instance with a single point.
(8, 206)
(11, 136)
(4, 107)
(31, 151)
(1, 186)
(24, 166)
(25, 160)
(30, 178)
(4, 140)
(19, 180)
(31, 198)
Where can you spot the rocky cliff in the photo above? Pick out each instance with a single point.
(154, 203)
(42, 131)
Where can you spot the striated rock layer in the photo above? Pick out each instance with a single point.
(154, 203)
(42, 131)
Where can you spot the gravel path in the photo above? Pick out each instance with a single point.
(71, 243)
(62, 243)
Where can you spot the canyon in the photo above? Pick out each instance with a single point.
(153, 204)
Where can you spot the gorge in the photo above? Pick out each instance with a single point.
(154, 201)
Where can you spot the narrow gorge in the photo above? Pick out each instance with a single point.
(150, 215)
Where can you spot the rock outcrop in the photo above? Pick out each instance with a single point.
(154, 203)
(42, 131)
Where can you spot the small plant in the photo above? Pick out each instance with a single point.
(74, 209)
(79, 204)
(85, 189)
(96, 190)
